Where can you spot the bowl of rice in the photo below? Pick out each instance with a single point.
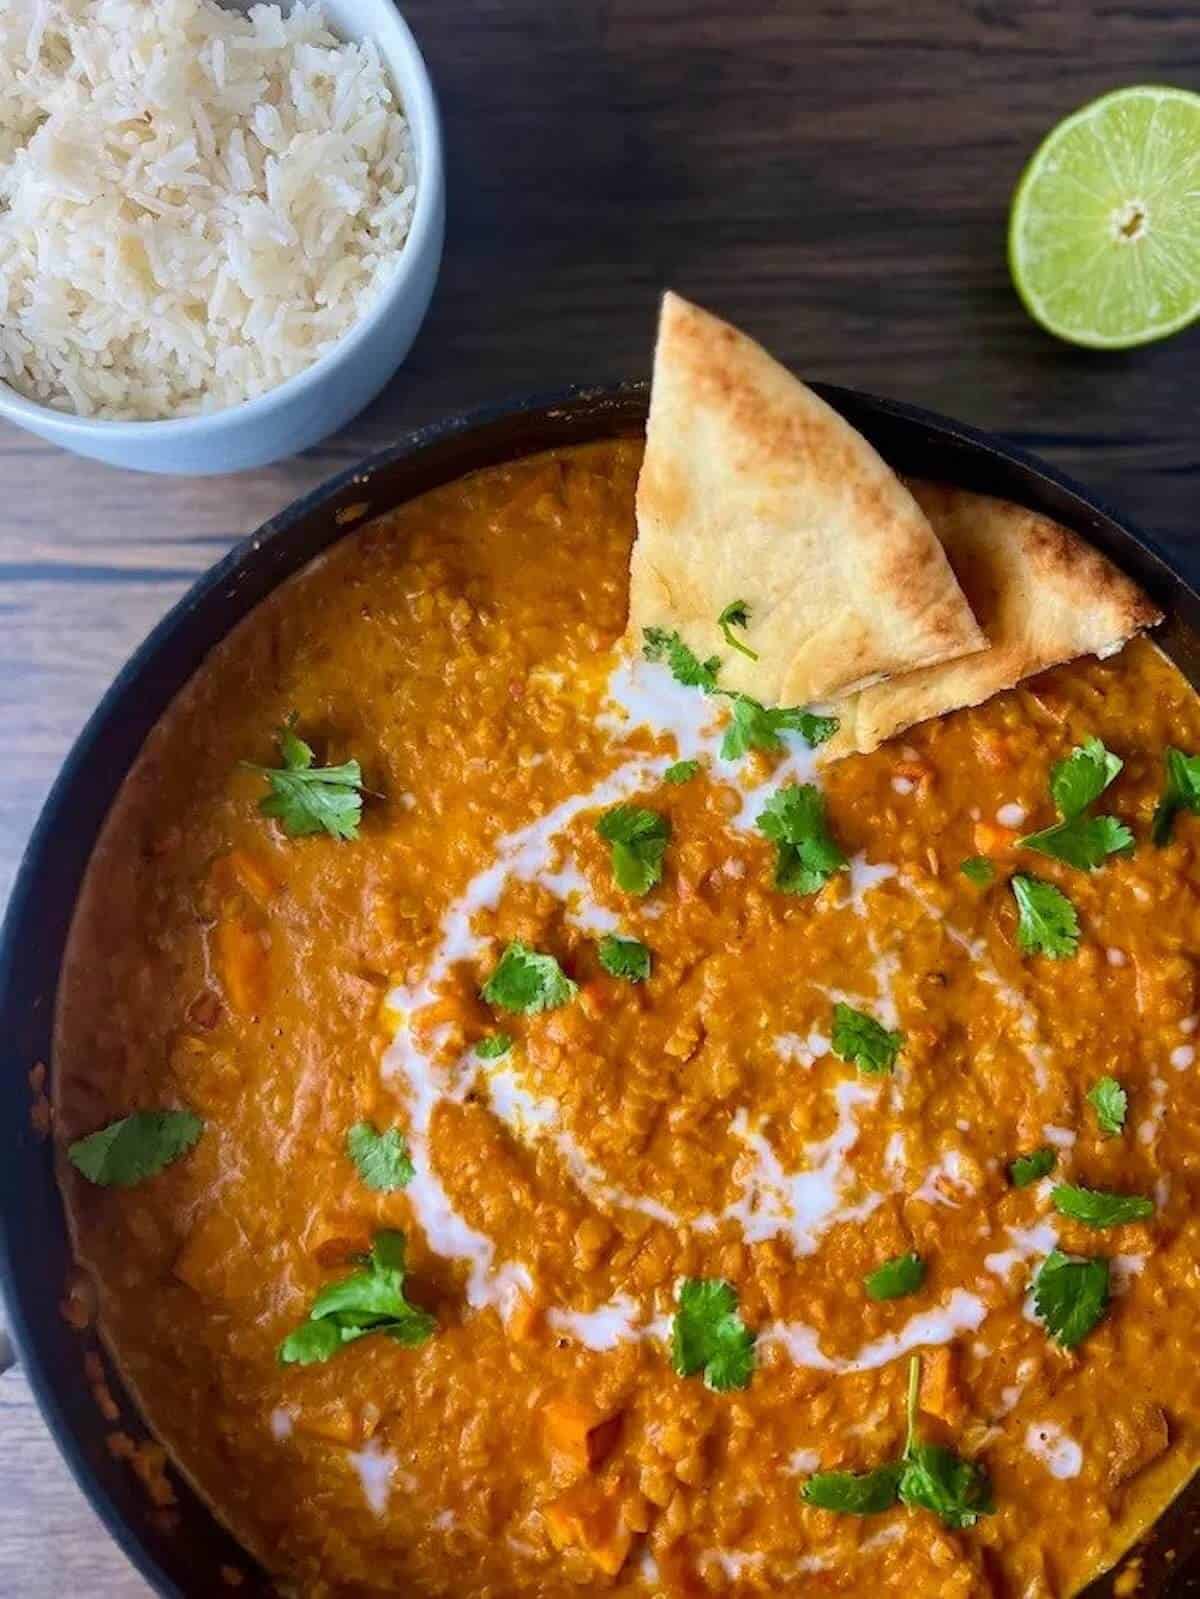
(220, 225)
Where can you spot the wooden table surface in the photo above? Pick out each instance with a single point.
(833, 177)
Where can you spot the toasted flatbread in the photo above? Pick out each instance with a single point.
(753, 489)
(1041, 594)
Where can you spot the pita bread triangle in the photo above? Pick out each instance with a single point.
(753, 489)
(1041, 594)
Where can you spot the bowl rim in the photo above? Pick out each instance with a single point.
(221, 582)
(401, 56)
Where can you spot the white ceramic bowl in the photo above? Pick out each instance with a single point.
(322, 398)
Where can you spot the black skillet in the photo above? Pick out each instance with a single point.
(186, 1558)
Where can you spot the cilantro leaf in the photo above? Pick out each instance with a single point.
(754, 727)
(528, 981)
(1110, 1102)
(1026, 1169)
(956, 1490)
(369, 1300)
(313, 1342)
(1083, 841)
(493, 1047)
(1047, 923)
(806, 854)
(310, 799)
(978, 869)
(935, 1478)
(901, 1275)
(382, 1159)
(708, 1334)
(861, 1040)
(1082, 777)
(1070, 1296)
(138, 1146)
(681, 771)
(926, 1476)
(865, 1493)
(1181, 792)
(625, 957)
(1096, 1208)
(736, 614)
(639, 841)
(685, 666)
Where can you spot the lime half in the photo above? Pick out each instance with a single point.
(1104, 234)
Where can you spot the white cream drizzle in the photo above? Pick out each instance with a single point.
(802, 1051)
(802, 1205)
(1061, 1455)
(962, 1312)
(1060, 1137)
(1027, 1243)
(618, 1322)
(946, 1179)
(374, 1468)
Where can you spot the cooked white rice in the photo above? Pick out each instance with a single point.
(195, 204)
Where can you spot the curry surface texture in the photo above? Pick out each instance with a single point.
(695, 1125)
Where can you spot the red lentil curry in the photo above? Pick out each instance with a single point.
(545, 1146)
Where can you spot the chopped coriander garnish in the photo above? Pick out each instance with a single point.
(685, 666)
(708, 1334)
(138, 1146)
(935, 1478)
(736, 614)
(527, 981)
(861, 1493)
(310, 799)
(681, 771)
(639, 841)
(754, 727)
(927, 1476)
(492, 1047)
(864, 1042)
(1110, 1102)
(1078, 839)
(382, 1159)
(370, 1300)
(1047, 923)
(806, 854)
(901, 1275)
(625, 957)
(1026, 1169)
(1084, 841)
(1082, 777)
(1070, 1295)
(1096, 1208)
(978, 869)
(1181, 792)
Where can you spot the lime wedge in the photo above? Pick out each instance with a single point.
(1104, 234)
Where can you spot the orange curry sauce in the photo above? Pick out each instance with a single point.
(693, 1125)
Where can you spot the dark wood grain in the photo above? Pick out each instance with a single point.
(834, 177)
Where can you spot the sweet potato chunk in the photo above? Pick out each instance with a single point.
(580, 1432)
(1138, 1437)
(940, 1393)
(589, 1518)
(218, 1260)
(253, 876)
(241, 952)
